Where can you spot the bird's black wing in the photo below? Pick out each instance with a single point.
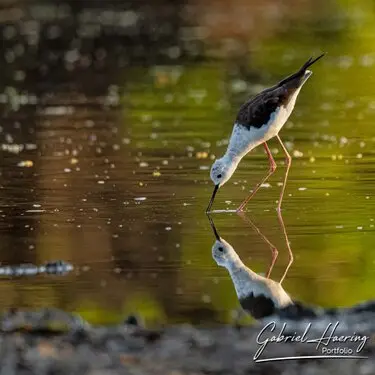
(258, 110)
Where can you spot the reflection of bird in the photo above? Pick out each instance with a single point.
(258, 295)
(258, 120)
(262, 297)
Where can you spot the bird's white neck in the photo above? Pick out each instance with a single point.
(241, 142)
(231, 157)
(242, 277)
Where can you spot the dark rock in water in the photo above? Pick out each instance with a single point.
(134, 320)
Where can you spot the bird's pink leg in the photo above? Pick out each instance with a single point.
(271, 170)
(274, 251)
(288, 162)
(291, 258)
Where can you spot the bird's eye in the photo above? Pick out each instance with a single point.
(220, 248)
(219, 175)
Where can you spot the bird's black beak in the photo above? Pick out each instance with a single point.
(216, 188)
(213, 228)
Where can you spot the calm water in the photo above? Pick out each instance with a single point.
(105, 161)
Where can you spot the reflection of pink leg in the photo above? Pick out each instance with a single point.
(275, 253)
(287, 244)
(271, 170)
(288, 162)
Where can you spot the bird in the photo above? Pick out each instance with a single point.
(258, 120)
(258, 295)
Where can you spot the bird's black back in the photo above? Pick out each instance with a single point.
(257, 111)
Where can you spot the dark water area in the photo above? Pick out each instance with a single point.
(110, 120)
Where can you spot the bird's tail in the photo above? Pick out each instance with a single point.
(309, 62)
(299, 78)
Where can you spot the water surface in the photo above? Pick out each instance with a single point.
(105, 164)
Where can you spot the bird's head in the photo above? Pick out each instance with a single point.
(221, 171)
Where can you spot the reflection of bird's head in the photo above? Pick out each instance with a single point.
(224, 254)
(222, 251)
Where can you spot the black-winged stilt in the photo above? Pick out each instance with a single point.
(258, 120)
